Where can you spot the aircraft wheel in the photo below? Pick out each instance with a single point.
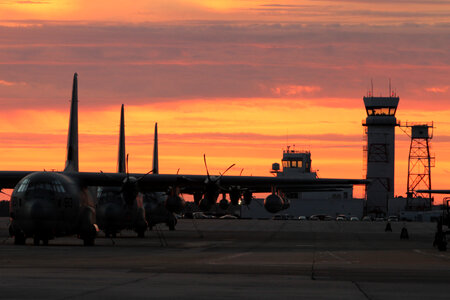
(19, 239)
(36, 240)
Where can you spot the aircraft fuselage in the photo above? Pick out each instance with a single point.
(45, 205)
(114, 213)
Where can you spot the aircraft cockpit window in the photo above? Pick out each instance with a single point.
(40, 186)
(23, 186)
(58, 187)
(99, 192)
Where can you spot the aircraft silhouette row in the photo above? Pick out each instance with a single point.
(45, 205)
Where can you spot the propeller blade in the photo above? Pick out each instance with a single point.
(226, 170)
(142, 177)
(240, 174)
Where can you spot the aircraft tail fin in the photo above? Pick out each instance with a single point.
(72, 138)
(121, 168)
(155, 152)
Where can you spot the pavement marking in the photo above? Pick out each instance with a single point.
(338, 257)
(227, 257)
(432, 254)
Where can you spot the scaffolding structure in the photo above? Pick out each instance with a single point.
(420, 160)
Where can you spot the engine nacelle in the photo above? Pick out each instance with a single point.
(224, 204)
(198, 197)
(175, 203)
(235, 195)
(204, 205)
(273, 203)
(248, 196)
(210, 197)
(286, 204)
(130, 190)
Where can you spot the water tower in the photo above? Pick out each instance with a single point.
(380, 151)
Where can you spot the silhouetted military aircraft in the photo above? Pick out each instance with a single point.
(45, 205)
(161, 206)
(120, 208)
(48, 204)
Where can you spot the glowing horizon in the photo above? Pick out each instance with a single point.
(231, 79)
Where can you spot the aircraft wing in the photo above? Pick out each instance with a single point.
(434, 191)
(190, 183)
(9, 179)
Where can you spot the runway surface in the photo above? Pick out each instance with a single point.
(224, 259)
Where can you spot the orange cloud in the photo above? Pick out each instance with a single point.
(443, 89)
(10, 83)
(6, 83)
(294, 90)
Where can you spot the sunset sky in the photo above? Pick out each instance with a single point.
(237, 80)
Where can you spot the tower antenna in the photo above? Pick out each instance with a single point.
(287, 137)
(371, 87)
(390, 95)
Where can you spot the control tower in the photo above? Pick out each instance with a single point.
(295, 164)
(380, 151)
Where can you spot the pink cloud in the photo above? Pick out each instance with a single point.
(6, 83)
(442, 89)
(10, 83)
(294, 90)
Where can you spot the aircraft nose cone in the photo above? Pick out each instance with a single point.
(39, 210)
(150, 207)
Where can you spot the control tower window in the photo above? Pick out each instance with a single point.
(292, 164)
(382, 111)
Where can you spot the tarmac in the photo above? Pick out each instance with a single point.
(225, 259)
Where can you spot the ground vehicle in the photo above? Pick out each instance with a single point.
(354, 219)
(392, 219)
(340, 218)
(367, 218)
(321, 217)
(228, 217)
(199, 215)
(302, 218)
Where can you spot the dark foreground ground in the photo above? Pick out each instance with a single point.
(217, 259)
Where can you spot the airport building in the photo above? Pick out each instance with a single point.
(306, 203)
